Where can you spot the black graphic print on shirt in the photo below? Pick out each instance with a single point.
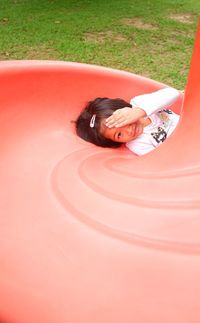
(159, 136)
(166, 110)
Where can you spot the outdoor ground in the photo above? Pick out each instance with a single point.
(153, 38)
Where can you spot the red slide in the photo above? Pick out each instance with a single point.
(89, 234)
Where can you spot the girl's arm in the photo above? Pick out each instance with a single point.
(155, 101)
(143, 105)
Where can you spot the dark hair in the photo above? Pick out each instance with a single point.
(102, 108)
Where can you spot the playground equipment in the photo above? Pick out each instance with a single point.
(93, 235)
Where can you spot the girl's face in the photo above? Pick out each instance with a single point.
(123, 134)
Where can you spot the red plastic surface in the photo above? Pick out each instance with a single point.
(92, 235)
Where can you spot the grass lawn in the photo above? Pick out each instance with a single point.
(153, 38)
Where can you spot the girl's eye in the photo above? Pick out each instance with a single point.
(119, 135)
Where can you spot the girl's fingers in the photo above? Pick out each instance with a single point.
(114, 122)
(119, 118)
(110, 124)
(109, 120)
(120, 124)
(113, 118)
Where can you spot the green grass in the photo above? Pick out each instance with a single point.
(153, 38)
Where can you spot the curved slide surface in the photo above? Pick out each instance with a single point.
(91, 234)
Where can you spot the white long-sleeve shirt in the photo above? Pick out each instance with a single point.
(163, 120)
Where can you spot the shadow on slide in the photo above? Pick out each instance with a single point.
(90, 234)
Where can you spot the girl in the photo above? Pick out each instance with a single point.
(143, 124)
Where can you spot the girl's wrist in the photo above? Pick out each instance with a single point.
(140, 112)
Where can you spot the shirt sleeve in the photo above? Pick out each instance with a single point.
(153, 102)
(140, 149)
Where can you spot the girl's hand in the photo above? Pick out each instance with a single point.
(124, 116)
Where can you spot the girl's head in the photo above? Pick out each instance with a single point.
(91, 120)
